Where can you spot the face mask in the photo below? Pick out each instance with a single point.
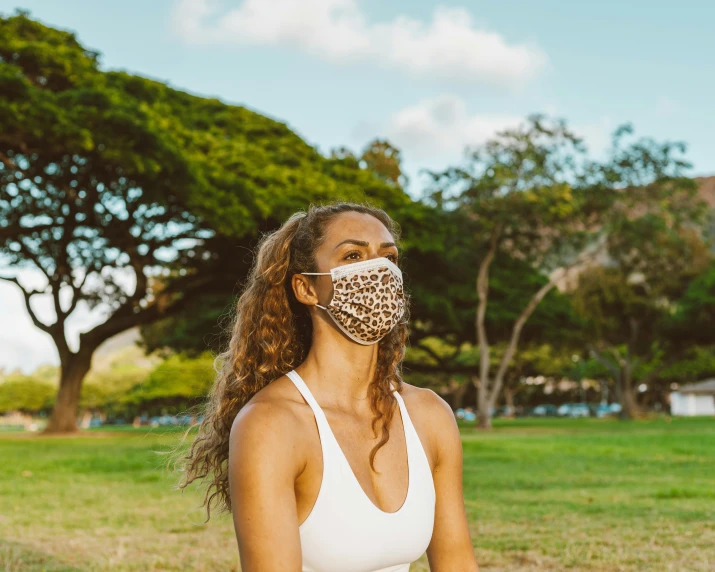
(368, 299)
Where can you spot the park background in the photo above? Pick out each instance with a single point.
(545, 270)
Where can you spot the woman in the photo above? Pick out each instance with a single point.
(327, 459)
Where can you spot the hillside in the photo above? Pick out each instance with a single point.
(707, 189)
(706, 186)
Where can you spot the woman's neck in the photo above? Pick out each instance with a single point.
(339, 372)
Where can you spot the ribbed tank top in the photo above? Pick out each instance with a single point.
(345, 531)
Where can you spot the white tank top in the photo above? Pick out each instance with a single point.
(345, 531)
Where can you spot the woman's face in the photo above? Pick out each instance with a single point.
(349, 237)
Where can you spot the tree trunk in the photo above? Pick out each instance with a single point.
(604, 390)
(64, 412)
(630, 409)
(509, 399)
(484, 418)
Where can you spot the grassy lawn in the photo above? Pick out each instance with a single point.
(541, 495)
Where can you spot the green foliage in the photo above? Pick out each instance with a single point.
(441, 260)
(541, 359)
(250, 168)
(25, 393)
(202, 325)
(115, 376)
(47, 373)
(100, 191)
(134, 174)
(693, 317)
(385, 160)
(655, 245)
(697, 364)
(439, 267)
(657, 284)
(608, 301)
(180, 380)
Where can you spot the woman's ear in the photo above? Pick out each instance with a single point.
(304, 290)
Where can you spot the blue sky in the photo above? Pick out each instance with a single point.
(432, 77)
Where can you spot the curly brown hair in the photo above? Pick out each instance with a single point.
(271, 334)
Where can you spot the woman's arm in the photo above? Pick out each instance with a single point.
(263, 464)
(451, 547)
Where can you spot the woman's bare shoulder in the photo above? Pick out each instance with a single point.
(272, 420)
(425, 401)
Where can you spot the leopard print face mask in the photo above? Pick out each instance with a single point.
(368, 298)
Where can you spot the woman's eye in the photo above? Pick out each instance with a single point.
(354, 255)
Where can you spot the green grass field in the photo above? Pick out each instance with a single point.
(540, 494)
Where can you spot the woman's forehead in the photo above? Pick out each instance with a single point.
(359, 226)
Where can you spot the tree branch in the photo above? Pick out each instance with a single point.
(434, 355)
(34, 257)
(76, 293)
(28, 295)
(125, 317)
(515, 335)
(651, 375)
(482, 292)
(609, 365)
(521, 321)
(15, 230)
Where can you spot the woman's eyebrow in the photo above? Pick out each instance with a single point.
(363, 243)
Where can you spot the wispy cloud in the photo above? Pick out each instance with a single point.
(442, 127)
(435, 132)
(449, 46)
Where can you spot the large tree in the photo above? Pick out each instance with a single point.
(132, 197)
(534, 195)
(530, 195)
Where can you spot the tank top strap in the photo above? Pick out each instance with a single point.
(305, 392)
(410, 431)
(317, 410)
(407, 422)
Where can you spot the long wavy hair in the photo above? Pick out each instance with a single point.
(271, 334)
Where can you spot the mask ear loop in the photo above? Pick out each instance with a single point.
(317, 274)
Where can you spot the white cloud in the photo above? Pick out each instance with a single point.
(450, 46)
(434, 133)
(441, 128)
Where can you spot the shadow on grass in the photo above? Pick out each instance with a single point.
(17, 557)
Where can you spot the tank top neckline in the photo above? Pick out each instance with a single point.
(295, 377)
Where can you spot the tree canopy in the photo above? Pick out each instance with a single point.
(131, 195)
